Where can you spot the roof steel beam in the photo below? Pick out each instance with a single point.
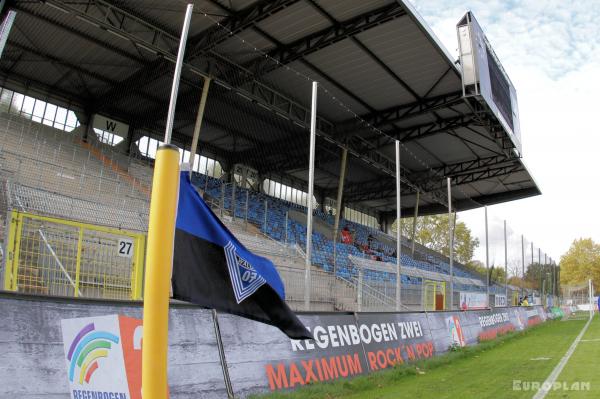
(146, 35)
(237, 22)
(435, 179)
(442, 125)
(325, 37)
(401, 112)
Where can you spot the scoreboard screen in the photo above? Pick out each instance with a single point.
(484, 77)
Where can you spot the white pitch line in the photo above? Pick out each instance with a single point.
(547, 385)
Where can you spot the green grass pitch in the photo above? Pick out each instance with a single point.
(506, 368)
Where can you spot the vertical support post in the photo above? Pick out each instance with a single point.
(199, 118)
(505, 264)
(265, 217)
(532, 261)
(414, 226)
(541, 271)
(590, 298)
(311, 183)
(233, 196)
(522, 263)
(286, 226)
(359, 290)
(222, 197)
(338, 206)
(78, 262)
(546, 272)
(487, 260)
(555, 280)
(451, 242)
(161, 232)
(398, 232)
(246, 211)
(543, 297)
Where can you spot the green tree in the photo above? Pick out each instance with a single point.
(497, 274)
(432, 232)
(580, 263)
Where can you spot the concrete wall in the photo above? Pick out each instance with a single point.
(33, 358)
(259, 357)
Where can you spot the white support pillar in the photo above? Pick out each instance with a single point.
(286, 227)
(591, 297)
(311, 183)
(451, 242)
(233, 197)
(398, 232)
(246, 210)
(338, 205)
(541, 270)
(199, 119)
(487, 260)
(505, 264)
(414, 226)
(359, 289)
(522, 262)
(265, 217)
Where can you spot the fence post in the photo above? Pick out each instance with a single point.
(13, 247)
(359, 289)
(78, 262)
(286, 227)
(222, 197)
(138, 271)
(265, 218)
(246, 212)
(233, 198)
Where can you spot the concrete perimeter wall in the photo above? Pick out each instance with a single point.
(258, 357)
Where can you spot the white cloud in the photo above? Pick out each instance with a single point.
(551, 51)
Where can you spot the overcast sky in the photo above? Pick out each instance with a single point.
(551, 51)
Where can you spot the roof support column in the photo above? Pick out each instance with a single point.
(311, 184)
(487, 260)
(398, 231)
(414, 226)
(338, 206)
(451, 243)
(199, 118)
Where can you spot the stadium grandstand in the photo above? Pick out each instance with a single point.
(84, 94)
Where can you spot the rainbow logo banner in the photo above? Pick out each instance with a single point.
(103, 356)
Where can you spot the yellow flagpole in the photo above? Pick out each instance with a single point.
(159, 254)
(159, 259)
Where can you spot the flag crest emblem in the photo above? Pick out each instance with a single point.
(244, 278)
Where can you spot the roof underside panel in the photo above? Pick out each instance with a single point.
(382, 76)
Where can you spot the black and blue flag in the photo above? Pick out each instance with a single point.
(211, 268)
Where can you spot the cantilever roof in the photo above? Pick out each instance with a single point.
(377, 57)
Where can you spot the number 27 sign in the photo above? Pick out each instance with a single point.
(125, 247)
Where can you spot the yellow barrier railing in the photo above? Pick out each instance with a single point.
(51, 256)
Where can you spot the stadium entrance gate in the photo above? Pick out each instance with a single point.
(52, 256)
(434, 295)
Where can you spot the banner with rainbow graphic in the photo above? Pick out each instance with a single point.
(103, 356)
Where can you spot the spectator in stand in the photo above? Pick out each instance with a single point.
(346, 236)
(463, 305)
(525, 301)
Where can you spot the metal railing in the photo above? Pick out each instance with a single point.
(52, 256)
